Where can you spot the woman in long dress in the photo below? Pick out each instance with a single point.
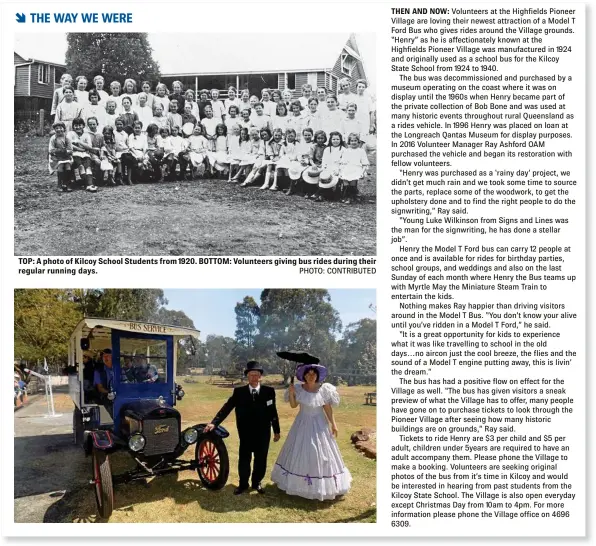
(310, 464)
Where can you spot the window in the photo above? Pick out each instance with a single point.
(291, 82)
(43, 73)
(333, 83)
(347, 64)
(312, 79)
(142, 360)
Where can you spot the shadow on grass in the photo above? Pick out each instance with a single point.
(370, 516)
(45, 464)
(52, 481)
(78, 505)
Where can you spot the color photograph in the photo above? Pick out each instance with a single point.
(195, 405)
(142, 144)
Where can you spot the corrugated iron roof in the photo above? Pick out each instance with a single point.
(40, 61)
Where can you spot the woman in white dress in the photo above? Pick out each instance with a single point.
(310, 464)
(365, 112)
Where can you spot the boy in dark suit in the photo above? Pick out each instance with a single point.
(256, 415)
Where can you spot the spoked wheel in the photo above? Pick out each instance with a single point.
(213, 461)
(104, 487)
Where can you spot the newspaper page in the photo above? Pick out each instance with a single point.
(293, 270)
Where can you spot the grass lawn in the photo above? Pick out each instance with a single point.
(181, 498)
(201, 217)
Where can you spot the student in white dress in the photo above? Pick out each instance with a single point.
(65, 81)
(310, 464)
(353, 167)
(99, 83)
(306, 95)
(366, 108)
(81, 93)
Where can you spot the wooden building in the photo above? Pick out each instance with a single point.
(256, 61)
(34, 83)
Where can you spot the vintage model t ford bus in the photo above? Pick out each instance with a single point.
(125, 399)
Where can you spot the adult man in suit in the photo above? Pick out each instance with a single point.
(256, 415)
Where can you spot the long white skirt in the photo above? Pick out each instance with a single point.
(196, 158)
(351, 172)
(310, 464)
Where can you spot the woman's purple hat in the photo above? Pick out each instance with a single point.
(303, 368)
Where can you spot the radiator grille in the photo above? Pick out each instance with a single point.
(166, 439)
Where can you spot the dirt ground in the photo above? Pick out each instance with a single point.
(201, 217)
(47, 462)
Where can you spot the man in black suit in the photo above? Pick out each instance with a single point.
(256, 415)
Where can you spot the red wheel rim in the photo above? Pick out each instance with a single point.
(209, 461)
(97, 479)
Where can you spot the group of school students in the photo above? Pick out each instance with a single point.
(312, 145)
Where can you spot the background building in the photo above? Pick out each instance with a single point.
(319, 59)
(34, 83)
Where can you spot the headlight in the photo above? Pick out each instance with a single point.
(136, 442)
(190, 435)
(180, 394)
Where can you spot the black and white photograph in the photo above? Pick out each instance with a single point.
(195, 144)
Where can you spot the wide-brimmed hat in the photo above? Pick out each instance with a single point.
(253, 366)
(303, 368)
(327, 179)
(188, 129)
(311, 175)
(295, 172)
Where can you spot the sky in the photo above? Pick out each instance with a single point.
(51, 47)
(212, 311)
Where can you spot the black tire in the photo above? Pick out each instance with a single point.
(104, 486)
(213, 463)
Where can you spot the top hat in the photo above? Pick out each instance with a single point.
(253, 366)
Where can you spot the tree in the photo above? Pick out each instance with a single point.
(366, 366)
(173, 318)
(218, 351)
(87, 300)
(247, 321)
(358, 351)
(188, 353)
(115, 56)
(43, 322)
(121, 303)
(301, 319)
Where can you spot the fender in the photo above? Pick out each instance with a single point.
(219, 430)
(102, 439)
